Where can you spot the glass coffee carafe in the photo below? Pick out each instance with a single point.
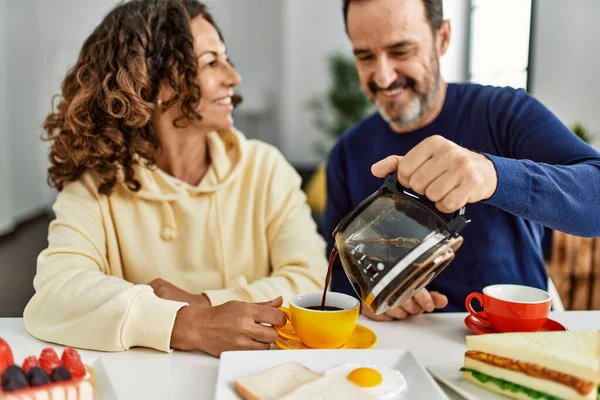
(395, 243)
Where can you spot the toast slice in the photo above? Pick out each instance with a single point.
(274, 383)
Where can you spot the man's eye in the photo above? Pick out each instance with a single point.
(365, 57)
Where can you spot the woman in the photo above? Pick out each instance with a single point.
(170, 225)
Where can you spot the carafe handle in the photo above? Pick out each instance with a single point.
(456, 224)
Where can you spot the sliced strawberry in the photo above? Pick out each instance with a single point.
(29, 362)
(49, 360)
(6, 356)
(72, 361)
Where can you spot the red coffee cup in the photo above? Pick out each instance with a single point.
(511, 308)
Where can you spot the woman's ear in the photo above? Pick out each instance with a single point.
(165, 94)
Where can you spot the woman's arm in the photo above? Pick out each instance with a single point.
(77, 302)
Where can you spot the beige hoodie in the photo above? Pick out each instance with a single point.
(244, 233)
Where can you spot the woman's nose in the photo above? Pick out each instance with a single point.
(232, 76)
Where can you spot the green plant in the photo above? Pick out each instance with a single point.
(580, 130)
(342, 106)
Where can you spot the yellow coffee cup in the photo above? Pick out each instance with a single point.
(329, 329)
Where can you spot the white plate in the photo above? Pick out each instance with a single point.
(450, 375)
(103, 389)
(145, 375)
(234, 365)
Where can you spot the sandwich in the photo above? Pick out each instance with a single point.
(540, 365)
(293, 381)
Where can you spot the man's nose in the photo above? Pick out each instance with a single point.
(385, 74)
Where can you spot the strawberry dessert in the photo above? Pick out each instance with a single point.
(45, 378)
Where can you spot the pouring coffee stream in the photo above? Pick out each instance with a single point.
(392, 245)
(332, 257)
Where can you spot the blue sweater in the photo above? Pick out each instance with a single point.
(547, 176)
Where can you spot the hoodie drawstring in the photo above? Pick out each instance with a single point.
(221, 240)
(169, 230)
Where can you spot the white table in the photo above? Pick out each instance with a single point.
(433, 339)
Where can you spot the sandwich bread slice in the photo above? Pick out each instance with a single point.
(540, 365)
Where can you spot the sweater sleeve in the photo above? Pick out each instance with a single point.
(547, 174)
(296, 249)
(76, 301)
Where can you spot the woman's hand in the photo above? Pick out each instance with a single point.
(231, 326)
(168, 291)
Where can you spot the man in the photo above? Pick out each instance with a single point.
(497, 151)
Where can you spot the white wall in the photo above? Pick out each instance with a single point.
(24, 82)
(566, 60)
(280, 49)
(252, 31)
(45, 38)
(454, 64)
(313, 29)
(5, 176)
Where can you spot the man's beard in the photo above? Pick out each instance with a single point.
(420, 103)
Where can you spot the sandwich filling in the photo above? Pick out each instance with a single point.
(513, 387)
(534, 370)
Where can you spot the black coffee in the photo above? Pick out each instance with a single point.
(326, 308)
(332, 256)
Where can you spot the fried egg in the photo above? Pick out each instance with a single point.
(382, 382)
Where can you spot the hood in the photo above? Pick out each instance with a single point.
(226, 151)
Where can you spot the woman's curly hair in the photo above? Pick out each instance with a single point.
(103, 121)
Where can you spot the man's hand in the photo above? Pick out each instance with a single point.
(448, 174)
(231, 326)
(168, 291)
(424, 301)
